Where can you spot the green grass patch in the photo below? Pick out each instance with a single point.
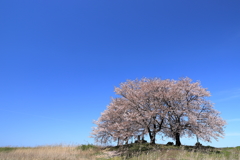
(87, 147)
(238, 147)
(7, 149)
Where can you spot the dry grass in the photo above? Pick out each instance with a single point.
(59, 152)
(85, 152)
(183, 155)
(187, 154)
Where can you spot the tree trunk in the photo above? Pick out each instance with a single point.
(139, 138)
(153, 140)
(126, 140)
(152, 136)
(177, 136)
(118, 142)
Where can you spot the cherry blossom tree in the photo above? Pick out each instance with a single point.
(115, 125)
(187, 105)
(154, 106)
(145, 100)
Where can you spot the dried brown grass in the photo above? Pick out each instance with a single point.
(223, 154)
(70, 152)
(59, 152)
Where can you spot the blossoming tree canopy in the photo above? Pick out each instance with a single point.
(174, 108)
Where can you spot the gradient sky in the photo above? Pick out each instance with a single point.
(60, 61)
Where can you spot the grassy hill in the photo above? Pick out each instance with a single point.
(131, 152)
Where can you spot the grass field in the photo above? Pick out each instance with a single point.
(131, 152)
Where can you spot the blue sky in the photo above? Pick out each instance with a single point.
(60, 61)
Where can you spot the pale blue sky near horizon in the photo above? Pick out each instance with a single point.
(60, 61)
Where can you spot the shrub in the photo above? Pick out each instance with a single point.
(170, 144)
(87, 147)
(2, 149)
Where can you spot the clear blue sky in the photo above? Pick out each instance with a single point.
(60, 61)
